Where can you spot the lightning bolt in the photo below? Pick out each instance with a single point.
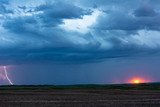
(6, 74)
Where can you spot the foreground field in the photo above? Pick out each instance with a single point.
(82, 97)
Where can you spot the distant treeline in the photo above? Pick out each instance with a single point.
(144, 86)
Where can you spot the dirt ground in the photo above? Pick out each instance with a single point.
(79, 98)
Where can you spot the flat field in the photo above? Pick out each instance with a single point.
(80, 96)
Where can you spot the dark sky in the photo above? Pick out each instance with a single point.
(79, 41)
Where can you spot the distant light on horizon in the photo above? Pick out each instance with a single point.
(138, 80)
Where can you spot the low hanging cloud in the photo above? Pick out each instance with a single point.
(145, 10)
(31, 34)
(3, 7)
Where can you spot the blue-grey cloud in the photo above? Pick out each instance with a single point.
(131, 17)
(145, 10)
(52, 14)
(4, 1)
(62, 10)
(3, 7)
(122, 29)
(121, 21)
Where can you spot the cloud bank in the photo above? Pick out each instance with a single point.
(77, 31)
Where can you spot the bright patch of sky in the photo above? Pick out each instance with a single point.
(81, 25)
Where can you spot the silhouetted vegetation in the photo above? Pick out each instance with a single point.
(144, 86)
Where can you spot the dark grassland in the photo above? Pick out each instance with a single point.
(124, 95)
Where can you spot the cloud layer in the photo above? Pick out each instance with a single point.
(61, 31)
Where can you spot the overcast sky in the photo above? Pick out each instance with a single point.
(79, 41)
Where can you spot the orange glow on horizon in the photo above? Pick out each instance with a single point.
(137, 80)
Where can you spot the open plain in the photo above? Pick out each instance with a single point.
(78, 97)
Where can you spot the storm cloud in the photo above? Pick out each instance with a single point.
(50, 31)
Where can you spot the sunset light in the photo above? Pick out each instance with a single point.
(137, 80)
